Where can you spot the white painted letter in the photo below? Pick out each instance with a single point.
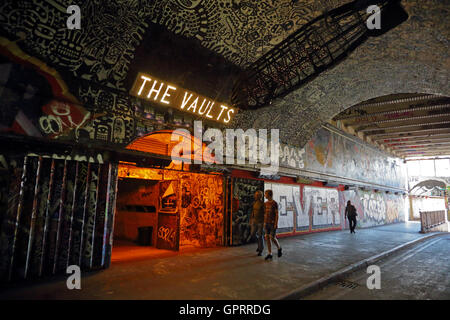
(216, 145)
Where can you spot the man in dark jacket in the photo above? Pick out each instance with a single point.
(350, 213)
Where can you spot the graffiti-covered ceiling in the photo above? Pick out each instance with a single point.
(240, 30)
(411, 58)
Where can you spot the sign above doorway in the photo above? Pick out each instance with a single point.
(152, 89)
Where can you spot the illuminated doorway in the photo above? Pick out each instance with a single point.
(170, 207)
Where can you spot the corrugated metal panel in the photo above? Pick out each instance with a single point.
(59, 212)
(150, 145)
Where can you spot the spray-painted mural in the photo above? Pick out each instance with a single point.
(318, 210)
(197, 199)
(110, 32)
(288, 199)
(330, 153)
(322, 205)
(202, 214)
(36, 102)
(95, 61)
(374, 208)
(242, 205)
(428, 186)
(59, 212)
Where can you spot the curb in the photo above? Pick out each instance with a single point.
(324, 281)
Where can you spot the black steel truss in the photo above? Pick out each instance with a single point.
(306, 53)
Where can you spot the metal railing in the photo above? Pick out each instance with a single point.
(431, 219)
(313, 48)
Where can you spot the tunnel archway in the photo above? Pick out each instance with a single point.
(406, 125)
(427, 195)
(172, 207)
(379, 67)
(163, 142)
(427, 186)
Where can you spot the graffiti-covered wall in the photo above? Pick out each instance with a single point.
(374, 208)
(59, 212)
(322, 205)
(288, 199)
(202, 210)
(331, 153)
(37, 102)
(198, 201)
(300, 208)
(242, 205)
(73, 84)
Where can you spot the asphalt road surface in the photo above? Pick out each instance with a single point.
(421, 272)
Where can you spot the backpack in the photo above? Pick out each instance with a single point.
(352, 212)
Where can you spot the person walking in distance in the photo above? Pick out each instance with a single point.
(271, 223)
(350, 213)
(257, 221)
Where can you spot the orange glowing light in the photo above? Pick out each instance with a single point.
(162, 142)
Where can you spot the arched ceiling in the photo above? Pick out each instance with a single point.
(239, 30)
(412, 58)
(406, 125)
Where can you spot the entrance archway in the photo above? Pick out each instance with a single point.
(168, 207)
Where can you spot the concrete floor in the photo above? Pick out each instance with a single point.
(225, 273)
(421, 272)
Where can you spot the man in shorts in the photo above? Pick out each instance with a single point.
(271, 223)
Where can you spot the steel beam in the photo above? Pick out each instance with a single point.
(425, 127)
(392, 111)
(396, 146)
(411, 134)
(407, 140)
(446, 121)
(395, 101)
(310, 50)
(421, 147)
(445, 151)
(372, 120)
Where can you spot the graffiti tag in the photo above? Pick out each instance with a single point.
(166, 234)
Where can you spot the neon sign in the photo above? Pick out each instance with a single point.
(152, 89)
